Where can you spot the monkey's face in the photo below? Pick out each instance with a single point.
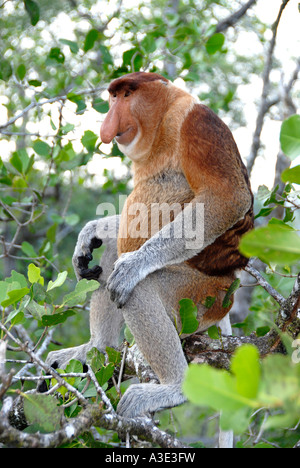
(119, 122)
(136, 106)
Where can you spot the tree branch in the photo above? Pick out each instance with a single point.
(35, 104)
(264, 105)
(93, 415)
(231, 20)
(264, 284)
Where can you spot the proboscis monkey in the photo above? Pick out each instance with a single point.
(184, 156)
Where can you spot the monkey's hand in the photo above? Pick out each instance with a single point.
(128, 271)
(87, 242)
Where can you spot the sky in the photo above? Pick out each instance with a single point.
(288, 46)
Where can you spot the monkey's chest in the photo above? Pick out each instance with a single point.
(152, 204)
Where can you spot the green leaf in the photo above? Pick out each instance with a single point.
(279, 421)
(231, 290)
(21, 71)
(149, 44)
(43, 410)
(5, 69)
(272, 244)
(133, 59)
(61, 278)
(36, 310)
(90, 39)
(17, 278)
(16, 162)
(33, 11)
(188, 314)
(57, 55)
(89, 140)
(216, 388)
(72, 219)
(41, 148)
(291, 175)
(79, 100)
(67, 128)
(62, 390)
(264, 212)
(105, 373)
(14, 296)
(113, 355)
(262, 331)
(233, 393)
(245, 365)
(215, 43)
(209, 301)
(28, 249)
(79, 295)
(34, 274)
(58, 317)
(8, 200)
(238, 420)
(35, 83)
(290, 136)
(213, 332)
(15, 317)
(51, 233)
(74, 48)
(95, 359)
(26, 161)
(281, 379)
(100, 106)
(76, 367)
(129, 336)
(105, 54)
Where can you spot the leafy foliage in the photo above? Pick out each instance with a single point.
(55, 61)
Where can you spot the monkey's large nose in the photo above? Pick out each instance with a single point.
(110, 127)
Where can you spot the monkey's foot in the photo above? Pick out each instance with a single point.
(59, 359)
(144, 399)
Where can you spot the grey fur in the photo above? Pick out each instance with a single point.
(158, 331)
(142, 283)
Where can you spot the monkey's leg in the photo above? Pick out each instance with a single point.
(225, 437)
(158, 341)
(106, 322)
(105, 319)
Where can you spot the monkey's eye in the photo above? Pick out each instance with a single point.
(114, 95)
(127, 93)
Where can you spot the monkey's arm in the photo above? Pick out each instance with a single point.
(206, 218)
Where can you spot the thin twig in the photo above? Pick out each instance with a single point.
(100, 391)
(264, 284)
(264, 106)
